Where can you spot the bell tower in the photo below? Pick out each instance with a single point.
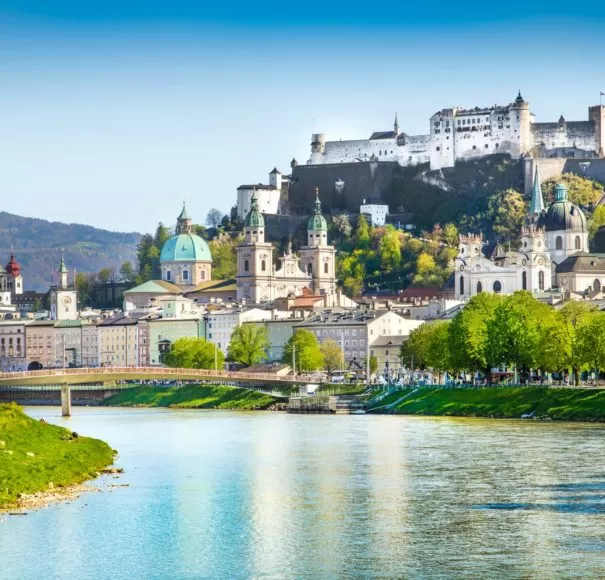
(63, 297)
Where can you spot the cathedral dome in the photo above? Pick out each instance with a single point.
(255, 218)
(185, 248)
(317, 222)
(563, 215)
(13, 267)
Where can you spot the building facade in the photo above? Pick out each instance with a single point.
(257, 278)
(267, 196)
(457, 134)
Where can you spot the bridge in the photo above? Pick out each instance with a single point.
(108, 375)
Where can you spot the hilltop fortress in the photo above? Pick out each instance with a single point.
(458, 134)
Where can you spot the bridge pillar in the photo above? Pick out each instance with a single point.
(65, 401)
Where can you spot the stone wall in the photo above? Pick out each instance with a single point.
(548, 168)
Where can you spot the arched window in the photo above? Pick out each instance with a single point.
(326, 268)
(263, 265)
(541, 280)
(461, 285)
(596, 285)
(578, 243)
(559, 243)
(186, 275)
(479, 287)
(168, 275)
(310, 269)
(246, 266)
(524, 280)
(497, 286)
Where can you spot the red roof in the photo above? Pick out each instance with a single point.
(13, 267)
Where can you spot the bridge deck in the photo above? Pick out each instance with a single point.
(111, 374)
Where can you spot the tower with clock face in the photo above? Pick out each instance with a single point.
(63, 298)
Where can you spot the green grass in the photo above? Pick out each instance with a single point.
(555, 403)
(329, 388)
(58, 458)
(192, 397)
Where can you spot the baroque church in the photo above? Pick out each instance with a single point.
(552, 241)
(259, 280)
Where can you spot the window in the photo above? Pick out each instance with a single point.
(437, 148)
(246, 266)
(524, 281)
(461, 284)
(479, 287)
(185, 274)
(310, 269)
(559, 243)
(541, 280)
(168, 275)
(326, 268)
(263, 265)
(497, 286)
(596, 285)
(578, 243)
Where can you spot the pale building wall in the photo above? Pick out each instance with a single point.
(570, 243)
(171, 329)
(267, 198)
(118, 345)
(13, 350)
(40, 344)
(377, 212)
(221, 324)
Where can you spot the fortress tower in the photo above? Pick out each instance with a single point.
(596, 114)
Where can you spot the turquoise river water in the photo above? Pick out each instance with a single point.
(214, 494)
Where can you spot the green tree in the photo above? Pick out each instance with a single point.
(249, 344)
(362, 233)
(308, 356)
(127, 272)
(83, 286)
(162, 235)
(451, 235)
(193, 353)
(468, 334)
(428, 345)
(596, 221)
(342, 226)
(580, 190)
(591, 342)
(506, 211)
(332, 354)
(373, 365)
(105, 275)
(577, 317)
(224, 257)
(517, 329)
(426, 270)
(390, 249)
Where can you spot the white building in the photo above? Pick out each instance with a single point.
(461, 134)
(222, 323)
(267, 196)
(377, 212)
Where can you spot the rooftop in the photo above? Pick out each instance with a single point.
(155, 287)
(343, 318)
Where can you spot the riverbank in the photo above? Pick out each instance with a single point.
(39, 460)
(562, 404)
(193, 397)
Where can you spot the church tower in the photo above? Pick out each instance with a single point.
(537, 201)
(63, 298)
(255, 259)
(317, 257)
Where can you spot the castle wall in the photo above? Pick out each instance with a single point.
(589, 168)
(268, 200)
(576, 134)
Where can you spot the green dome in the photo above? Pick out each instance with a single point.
(186, 248)
(255, 218)
(563, 215)
(317, 222)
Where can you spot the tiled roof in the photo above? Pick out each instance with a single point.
(583, 263)
(215, 286)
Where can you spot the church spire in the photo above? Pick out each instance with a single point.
(184, 224)
(537, 201)
(396, 126)
(62, 272)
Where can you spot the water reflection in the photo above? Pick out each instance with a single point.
(255, 495)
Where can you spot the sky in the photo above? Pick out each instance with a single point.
(112, 113)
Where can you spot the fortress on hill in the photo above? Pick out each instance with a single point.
(458, 134)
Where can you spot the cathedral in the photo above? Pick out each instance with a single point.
(552, 243)
(259, 280)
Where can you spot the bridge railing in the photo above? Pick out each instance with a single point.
(151, 371)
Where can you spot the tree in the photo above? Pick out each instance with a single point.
(249, 344)
(162, 235)
(362, 233)
(127, 272)
(332, 354)
(577, 317)
(213, 218)
(584, 192)
(193, 353)
(426, 270)
(450, 235)
(224, 257)
(516, 331)
(342, 226)
(105, 275)
(373, 365)
(591, 339)
(428, 345)
(597, 220)
(506, 211)
(390, 249)
(308, 356)
(83, 286)
(468, 334)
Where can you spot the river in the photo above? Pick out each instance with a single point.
(216, 494)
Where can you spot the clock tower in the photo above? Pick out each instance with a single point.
(63, 298)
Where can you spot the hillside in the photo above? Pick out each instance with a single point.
(38, 245)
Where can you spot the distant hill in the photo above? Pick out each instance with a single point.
(38, 246)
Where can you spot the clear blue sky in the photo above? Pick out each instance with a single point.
(112, 113)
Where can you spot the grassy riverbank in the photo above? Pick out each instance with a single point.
(192, 397)
(554, 403)
(36, 456)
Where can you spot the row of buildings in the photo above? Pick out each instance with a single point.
(143, 338)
